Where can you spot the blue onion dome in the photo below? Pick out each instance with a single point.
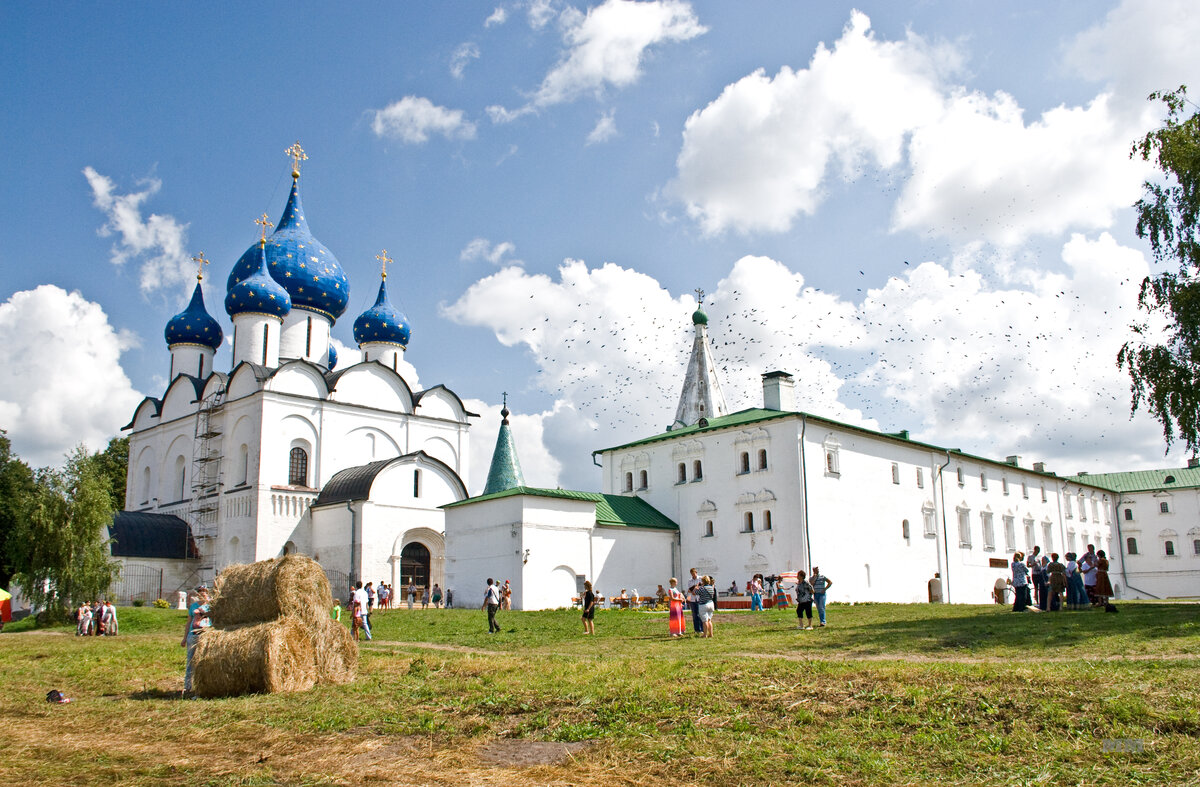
(194, 325)
(308, 271)
(382, 322)
(332, 357)
(258, 293)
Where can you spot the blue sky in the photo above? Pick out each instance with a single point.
(921, 210)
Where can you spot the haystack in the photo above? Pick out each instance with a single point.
(293, 585)
(267, 657)
(272, 632)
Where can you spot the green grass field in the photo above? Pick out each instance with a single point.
(888, 694)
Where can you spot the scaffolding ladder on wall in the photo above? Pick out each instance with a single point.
(206, 482)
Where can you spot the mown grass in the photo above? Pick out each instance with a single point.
(886, 694)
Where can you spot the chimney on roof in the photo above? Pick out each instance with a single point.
(1039, 467)
(779, 391)
(1194, 462)
(1082, 473)
(1013, 460)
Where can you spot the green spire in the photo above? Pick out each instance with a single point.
(505, 472)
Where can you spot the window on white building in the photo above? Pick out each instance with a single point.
(895, 473)
(1010, 534)
(682, 473)
(762, 459)
(416, 483)
(1070, 540)
(146, 484)
(180, 489)
(989, 534)
(748, 522)
(697, 470)
(959, 472)
(1067, 506)
(1082, 508)
(1131, 546)
(243, 464)
(708, 529)
(1196, 546)
(745, 462)
(643, 479)
(1169, 546)
(1043, 493)
(1025, 489)
(1047, 538)
(767, 519)
(964, 527)
(1004, 485)
(983, 481)
(920, 478)
(1028, 535)
(832, 460)
(1164, 507)
(629, 482)
(1128, 514)
(904, 530)
(927, 518)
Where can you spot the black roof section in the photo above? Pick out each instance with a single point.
(353, 483)
(142, 534)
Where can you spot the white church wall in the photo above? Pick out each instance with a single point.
(440, 403)
(481, 542)
(299, 379)
(371, 385)
(1151, 572)
(333, 530)
(632, 559)
(243, 382)
(387, 529)
(441, 448)
(554, 535)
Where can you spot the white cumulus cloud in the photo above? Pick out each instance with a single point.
(482, 249)
(498, 17)
(413, 118)
(61, 381)
(159, 242)
(606, 48)
(461, 57)
(606, 129)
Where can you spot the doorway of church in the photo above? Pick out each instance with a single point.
(414, 566)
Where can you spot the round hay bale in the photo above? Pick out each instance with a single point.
(263, 658)
(336, 652)
(292, 585)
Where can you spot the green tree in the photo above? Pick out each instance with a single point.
(113, 463)
(1163, 360)
(58, 552)
(16, 485)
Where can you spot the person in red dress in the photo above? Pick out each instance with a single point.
(675, 601)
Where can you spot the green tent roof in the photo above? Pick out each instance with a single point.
(611, 510)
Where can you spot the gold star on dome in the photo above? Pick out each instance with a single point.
(297, 155)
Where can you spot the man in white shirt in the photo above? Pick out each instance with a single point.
(491, 600)
(360, 596)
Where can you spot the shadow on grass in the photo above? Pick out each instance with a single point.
(151, 694)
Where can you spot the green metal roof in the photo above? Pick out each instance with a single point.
(611, 510)
(739, 418)
(1144, 480)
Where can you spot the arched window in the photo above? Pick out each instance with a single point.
(180, 477)
(266, 341)
(243, 464)
(697, 470)
(1131, 546)
(629, 482)
(643, 479)
(298, 467)
(895, 472)
(748, 522)
(708, 528)
(745, 459)
(959, 473)
(308, 339)
(146, 484)
(416, 483)
(904, 530)
(682, 472)
(767, 520)
(1164, 507)
(1128, 514)
(200, 369)
(762, 459)
(1169, 546)
(1196, 546)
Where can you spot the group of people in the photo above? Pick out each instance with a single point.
(95, 619)
(1041, 582)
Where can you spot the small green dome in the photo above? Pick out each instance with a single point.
(699, 317)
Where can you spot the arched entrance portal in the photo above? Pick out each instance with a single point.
(414, 565)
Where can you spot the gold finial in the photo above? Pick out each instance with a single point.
(699, 296)
(384, 261)
(264, 222)
(200, 263)
(297, 154)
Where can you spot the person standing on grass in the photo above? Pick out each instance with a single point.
(370, 597)
(589, 608)
(804, 601)
(198, 622)
(1076, 597)
(491, 602)
(1034, 564)
(385, 595)
(1087, 567)
(1057, 574)
(506, 595)
(360, 598)
(692, 586)
(355, 617)
(756, 591)
(84, 625)
(706, 598)
(437, 596)
(425, 597)
(1020, 582)
(1103, 589)
(675, 602)
(820, 585)
(110, 619)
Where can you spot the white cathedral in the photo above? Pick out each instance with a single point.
(287, 453)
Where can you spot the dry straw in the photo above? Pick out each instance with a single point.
(293, 585)
(272, 632)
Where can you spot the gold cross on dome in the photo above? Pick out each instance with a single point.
(384, 261)
(264, 222)
(297, 154)
(699, 296)
(200, 263)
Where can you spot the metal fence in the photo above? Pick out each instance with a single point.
(137, 583)
(339, 583)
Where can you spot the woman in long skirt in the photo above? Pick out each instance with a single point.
(675, 600)
(1104, 589)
